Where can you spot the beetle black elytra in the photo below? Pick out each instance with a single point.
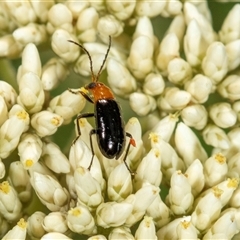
(110, 133)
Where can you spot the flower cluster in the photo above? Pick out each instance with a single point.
(185, 88)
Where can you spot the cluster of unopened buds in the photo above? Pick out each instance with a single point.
(185, 88)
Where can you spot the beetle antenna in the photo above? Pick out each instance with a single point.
(89, 56)
(104, 60)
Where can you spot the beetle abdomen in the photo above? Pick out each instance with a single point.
(110, 128)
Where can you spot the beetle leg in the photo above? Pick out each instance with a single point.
(93, 131)
(131, 142)
(83, 94)
(79, 116)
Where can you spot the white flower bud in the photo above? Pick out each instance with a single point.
(159, 211)
(18, 232)
(120, 79)
(22, 12)
(229, 87)
(165, 127)
(8, 93)
(236, 108)
(119, 183)
(173, 99)
(199, 87)
(46, 123)
(215, 169)
(215, 63)
(55, 235)
(149, 170)
(54, 22)
(170, 162)
(49, 191)
(121, 10)
(41, 9)
(225, 227)
(67, 51)
(2, 169)
(234, 137)
(3, 110)
(55, 222)
(207, 210)
(29, 149)
(87, 25)
(112, 214)
(141, 103)
(31, 33)
(140, 60)
(169, 230)
(77, 7)
(195, 177)
(54, 72)
(186, 230)
(188, 145)
(153, 84)
(31, 94)
(144, 27)
(223, 115)
(54, 158)
(180, 196)
(67, 105)
(216, 137)
(195, 45)
(12, 129)
(177, 27)
(35, 228)
(195, 116)
(10, 205)
(191, 12)
(230, 28)
(9, 47)
(234, 201)
(87, 188)
(172, 8)
(168, 50)
(179, 71)
(234, 166)
(122, 233)
(140, 201)
(108, 25)
(30, 62)
(146, 229)
(233, 51)
(97, 52)
(101, 237)
(80, 156)
(148, 8)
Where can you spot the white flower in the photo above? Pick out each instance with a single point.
(46, 123)
(146, 229)
(54, 22)
(29, 149)
(18, 232)
(10, 205)
(55, 235)
(233, 51)
(188, 145)
(35, 228)
(223, 115)
(55, 222)
(153, 84)
(141, 103)
(140, 60)
(215, 62)
(150, 9)
(180, 196)
(230, 29)
(8, 94)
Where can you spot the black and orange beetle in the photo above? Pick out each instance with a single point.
(111, 136)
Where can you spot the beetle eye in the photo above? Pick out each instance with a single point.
(91, 85)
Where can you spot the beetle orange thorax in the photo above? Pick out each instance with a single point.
(99, 91)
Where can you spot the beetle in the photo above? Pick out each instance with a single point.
(110, 133)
